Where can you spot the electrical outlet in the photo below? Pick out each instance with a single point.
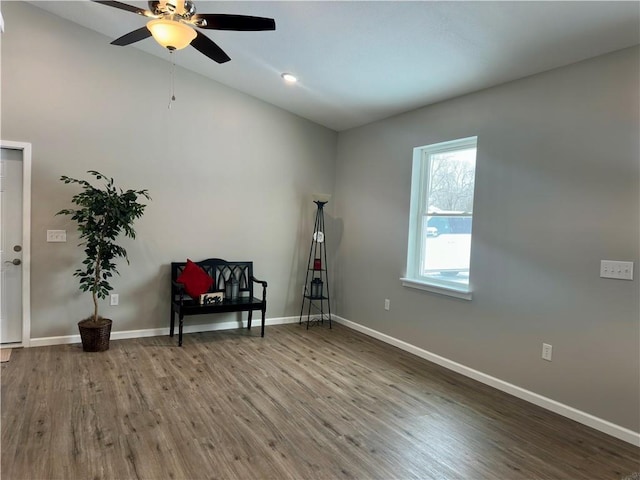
(547, 350)
(115, 299)
(387, 304)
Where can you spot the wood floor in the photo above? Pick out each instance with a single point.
(296, 404)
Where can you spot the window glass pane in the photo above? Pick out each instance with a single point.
(447, 225)
(451, 180)
(447, 248)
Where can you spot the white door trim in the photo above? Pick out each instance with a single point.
(25, 148)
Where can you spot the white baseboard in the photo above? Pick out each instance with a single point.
(566, 411)
(158, 332)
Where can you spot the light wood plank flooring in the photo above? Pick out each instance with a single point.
(296, 404)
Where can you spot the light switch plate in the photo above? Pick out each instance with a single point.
(616, 269)
(56, 235)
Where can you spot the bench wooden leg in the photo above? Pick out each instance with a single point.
(249, 320)
(180, 331)
(263, 315)
(173, 323)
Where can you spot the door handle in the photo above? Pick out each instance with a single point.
(15, 261)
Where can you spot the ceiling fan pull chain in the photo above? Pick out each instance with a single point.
(172, 79)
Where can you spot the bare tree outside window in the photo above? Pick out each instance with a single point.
(451, 181)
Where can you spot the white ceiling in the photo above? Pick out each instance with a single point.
(361, 61)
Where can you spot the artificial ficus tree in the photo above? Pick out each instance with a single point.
(103, 213)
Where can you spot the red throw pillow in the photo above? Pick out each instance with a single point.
(195, 280)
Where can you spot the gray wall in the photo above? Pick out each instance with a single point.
(230, 176)
(556, 192)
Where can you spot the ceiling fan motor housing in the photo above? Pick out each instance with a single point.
(173, 7)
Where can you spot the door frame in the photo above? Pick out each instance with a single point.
(25, 149)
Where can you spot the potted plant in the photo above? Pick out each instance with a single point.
(102, 214)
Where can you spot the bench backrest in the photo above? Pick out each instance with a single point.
(221, 271)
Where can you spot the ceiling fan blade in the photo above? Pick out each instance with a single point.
(132, 37)
(124, 6)
(245, 23)
(208, 47)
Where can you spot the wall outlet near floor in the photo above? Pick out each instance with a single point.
(547, 351)
(115, 299)
(387, 304)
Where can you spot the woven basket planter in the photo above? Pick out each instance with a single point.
(95, 335)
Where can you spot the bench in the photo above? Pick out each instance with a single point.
(221, 272)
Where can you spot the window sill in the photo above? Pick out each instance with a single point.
(439, 289)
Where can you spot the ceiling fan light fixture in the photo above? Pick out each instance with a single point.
(171, 34)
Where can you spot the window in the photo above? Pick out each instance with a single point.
(442, 184)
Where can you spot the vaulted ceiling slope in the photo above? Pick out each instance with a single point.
(361, 61)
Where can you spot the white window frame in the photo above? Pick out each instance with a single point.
(416, 240)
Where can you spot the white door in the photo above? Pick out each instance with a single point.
(14, 243)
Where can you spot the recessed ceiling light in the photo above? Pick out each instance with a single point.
(289, 78)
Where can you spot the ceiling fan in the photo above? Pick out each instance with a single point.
(172, 23)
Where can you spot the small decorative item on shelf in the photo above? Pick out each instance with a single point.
(316, 288)
(317, 264)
